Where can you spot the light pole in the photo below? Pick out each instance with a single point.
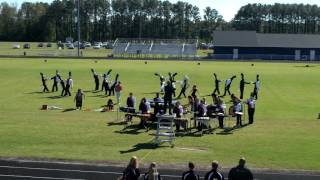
(78, 26)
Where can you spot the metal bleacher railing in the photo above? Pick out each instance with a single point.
(155, 47)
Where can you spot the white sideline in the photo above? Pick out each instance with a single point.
(34, 177)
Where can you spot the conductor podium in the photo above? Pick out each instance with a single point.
(165, 129)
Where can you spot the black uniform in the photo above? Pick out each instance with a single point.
(216, 84)
(242, 85)
(183, 89)
(240, 173)
(171, 79)
(190, 175)
(68, 86)
(131, 173)
(168, 93)
(214, 175)
(44, 83)
(111, 89)
(96, 79)
(63, 86)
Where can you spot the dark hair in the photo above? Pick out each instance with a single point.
(191, 165)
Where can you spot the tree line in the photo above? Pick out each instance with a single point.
(106, 20)
(103, 20)
(278, 18)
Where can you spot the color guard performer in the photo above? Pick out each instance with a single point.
(256, 87)
(69, 84)
(228, 85)
(184, 86)
(216, 84)
(111, 89)
(96, 79)
(106, 77)
(242, 85)
(56, 79)
(162, 81)
(44, 83)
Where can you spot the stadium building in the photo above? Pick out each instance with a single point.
(252, 45)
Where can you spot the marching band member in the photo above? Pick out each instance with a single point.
(228, 85)
(237, 108)
(157, 100)
(168, 93)
(143, 109)
(178, 111)
(131, 104)
(44, 83)
(256, 87)
(242, 85)
(216, 84)
(251, 108)
(184, 86)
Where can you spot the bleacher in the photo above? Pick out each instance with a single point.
(178, 48)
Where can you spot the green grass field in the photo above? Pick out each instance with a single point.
(285, 134)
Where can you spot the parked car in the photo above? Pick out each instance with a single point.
(109, 45)
(40, 45)
(49, 45)
(97, 46)
(16, 46)
(87, 44)
(82, 46)
(26, 46)
(70, 46)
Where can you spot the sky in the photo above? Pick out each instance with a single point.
(228, 8)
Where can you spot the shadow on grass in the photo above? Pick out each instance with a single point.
(142, 146)
(99, 95)
(54, 97)
(148, 93)
(69, 110)
(230, 131)
(37, 92)
(116, 123)
(305, 66)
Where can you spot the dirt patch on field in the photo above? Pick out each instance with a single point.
(193, 149)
